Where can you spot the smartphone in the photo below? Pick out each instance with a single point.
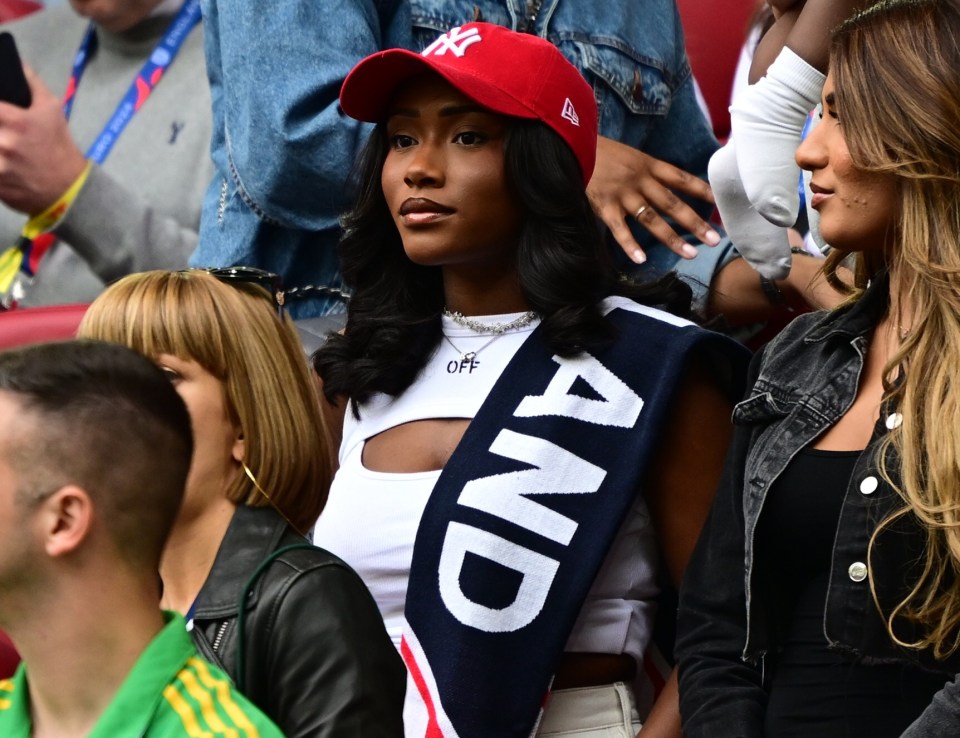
(13, 84)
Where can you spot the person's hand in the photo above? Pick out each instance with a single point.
(38, 157)
(627, 183)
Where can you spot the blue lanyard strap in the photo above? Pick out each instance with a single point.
(162, 56)
(190, 613)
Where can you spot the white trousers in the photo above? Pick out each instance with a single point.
(607, 711)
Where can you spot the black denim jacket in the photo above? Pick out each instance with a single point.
(317, 658)
(801, 384)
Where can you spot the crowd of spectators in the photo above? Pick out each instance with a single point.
(449, 368)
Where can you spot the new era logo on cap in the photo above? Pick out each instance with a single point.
(454, 40)
(569, 112)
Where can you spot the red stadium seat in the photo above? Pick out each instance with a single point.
(9, 658)
(715, 31)
(38, 324)
(10, 9)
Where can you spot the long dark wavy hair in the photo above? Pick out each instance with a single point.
(564, 269)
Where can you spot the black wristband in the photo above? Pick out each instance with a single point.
(772, 292)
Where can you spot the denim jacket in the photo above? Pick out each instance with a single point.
(633, 55)
(941, 719)
(801, 385)
(281, 146)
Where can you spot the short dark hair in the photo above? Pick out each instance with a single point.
(104, 418)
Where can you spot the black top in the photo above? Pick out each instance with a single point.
(815, 690)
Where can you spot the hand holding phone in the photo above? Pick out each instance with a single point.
(13, 84)
(39, 159)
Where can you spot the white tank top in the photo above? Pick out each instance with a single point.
(371, 518)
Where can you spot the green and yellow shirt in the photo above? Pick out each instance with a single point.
(170, 693)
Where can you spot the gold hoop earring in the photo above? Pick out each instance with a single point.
(246, 470)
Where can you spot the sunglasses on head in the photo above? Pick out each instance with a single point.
(273, 284)
(251, 275)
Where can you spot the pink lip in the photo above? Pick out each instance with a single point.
(818, 199)
(420, 210)
(414, 219)
(819, 195)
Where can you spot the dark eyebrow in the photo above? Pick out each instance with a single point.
(830, 99)
(461, 109)
(445, 112)
(403, 112)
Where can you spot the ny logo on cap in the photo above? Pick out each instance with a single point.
(454, 41)
(570, 113)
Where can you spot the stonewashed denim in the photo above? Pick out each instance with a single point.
(281, 146)
(633, 55)
(942, 718)
(801, 384)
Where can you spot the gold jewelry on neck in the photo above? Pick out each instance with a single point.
(246, 470)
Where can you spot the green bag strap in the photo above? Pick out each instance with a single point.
(242, 610)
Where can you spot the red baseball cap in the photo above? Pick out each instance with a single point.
(510, 73)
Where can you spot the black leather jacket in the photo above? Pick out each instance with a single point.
(318, 660)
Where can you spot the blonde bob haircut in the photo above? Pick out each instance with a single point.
(232, 330)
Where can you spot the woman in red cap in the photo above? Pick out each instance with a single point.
(526, 436)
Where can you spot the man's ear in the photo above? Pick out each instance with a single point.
(66, 518)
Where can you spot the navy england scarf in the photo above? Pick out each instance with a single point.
(523, 514)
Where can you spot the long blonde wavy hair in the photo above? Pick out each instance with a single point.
(896, 71)
(232, 331)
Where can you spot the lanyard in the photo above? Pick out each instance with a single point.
(25, 255)
(141, 87)
(188, 618)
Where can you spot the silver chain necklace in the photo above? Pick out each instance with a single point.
(496, 329)
(469, 356)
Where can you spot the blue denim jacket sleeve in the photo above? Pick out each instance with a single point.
(720, 693)
(281, 146)
(276, 72)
